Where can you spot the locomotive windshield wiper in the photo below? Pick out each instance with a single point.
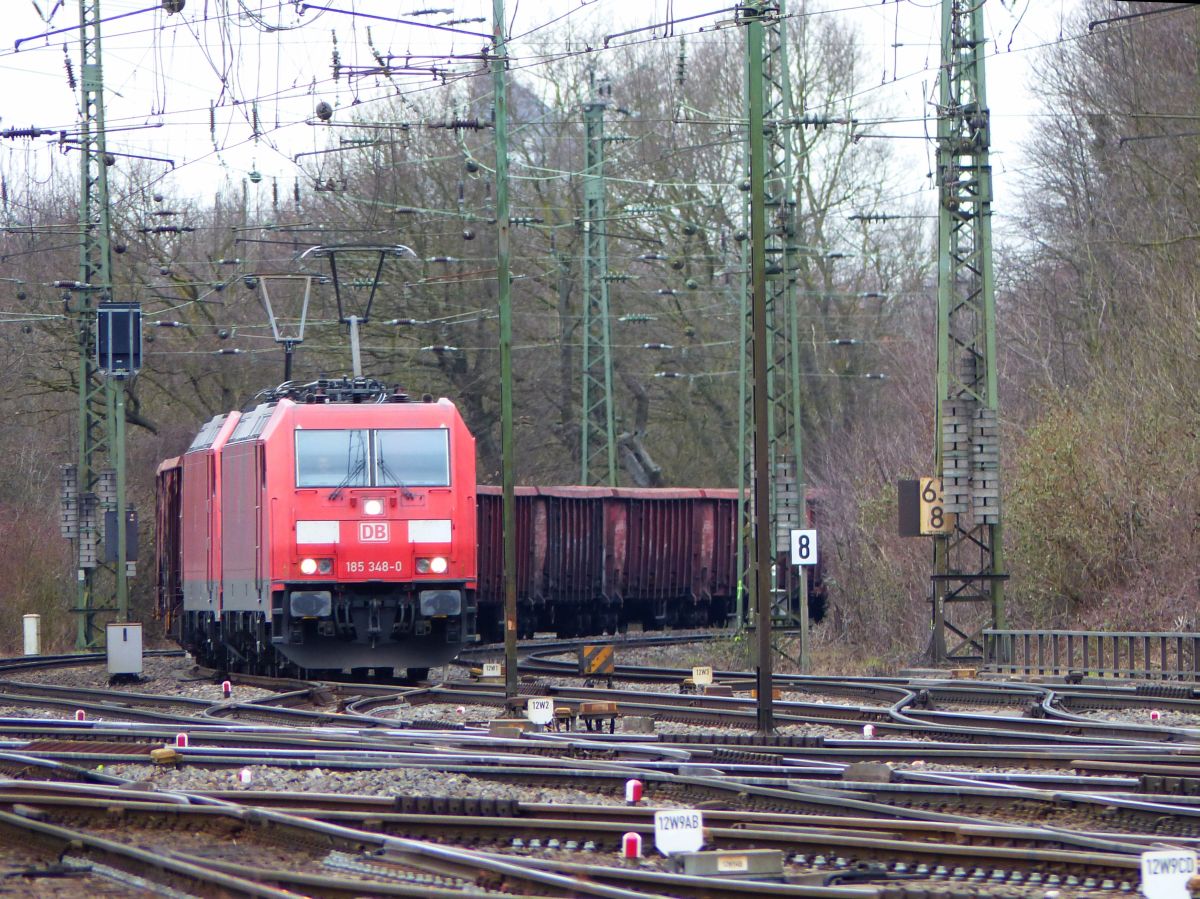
(391, 475)
(353, 473)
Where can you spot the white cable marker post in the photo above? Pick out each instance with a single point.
(702, 675)
(32, 627)
(540, 710)
(678, 830)
(1166, 872)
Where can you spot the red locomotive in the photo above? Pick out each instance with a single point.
(331, 527)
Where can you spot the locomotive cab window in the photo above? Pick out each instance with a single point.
(332, 459)
(413, 457)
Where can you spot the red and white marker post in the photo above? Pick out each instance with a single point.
(631, 845)
(633, 792)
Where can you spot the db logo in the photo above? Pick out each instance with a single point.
(373, 532)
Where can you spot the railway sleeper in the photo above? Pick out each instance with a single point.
(730, 739)
(1170, 786)
(487, 807)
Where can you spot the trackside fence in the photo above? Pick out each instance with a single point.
(1128, 654)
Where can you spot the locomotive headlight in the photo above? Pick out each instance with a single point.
(438, 565)
(308, 566)
(373, 507)
(324, 565)
(422, 566)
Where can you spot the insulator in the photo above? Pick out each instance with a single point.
(71, 82)
(691, 284)
(254, 120)
(669, 374)
(275, 194)
(677, 264)
(173, 6)
(296, 191)
(650, 257)
(681, 63)
(110, 160)
(845, 341)
(165, 324)
(468, 234)
(324, 111)
(740, 236)
(665, 292)
(250, 281)
(22, 295)
(119, 248)
(212, 120)
(255, 176)
(689, 229)
(228, 351)
(471, 166)
(657, 346)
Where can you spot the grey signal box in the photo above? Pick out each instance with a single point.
(119, 339)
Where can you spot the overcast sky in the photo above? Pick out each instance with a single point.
(170, 78)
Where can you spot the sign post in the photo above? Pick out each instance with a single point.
(540, 710)
(1166, 872)
(804, 546)
(680, 830)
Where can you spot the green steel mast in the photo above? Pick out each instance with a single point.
(88, 490)
(504, 290)
(968, 579)
(597, 448)
(767, 65)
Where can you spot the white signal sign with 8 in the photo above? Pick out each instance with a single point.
(804, 547)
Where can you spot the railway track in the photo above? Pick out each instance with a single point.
(1061, 801)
